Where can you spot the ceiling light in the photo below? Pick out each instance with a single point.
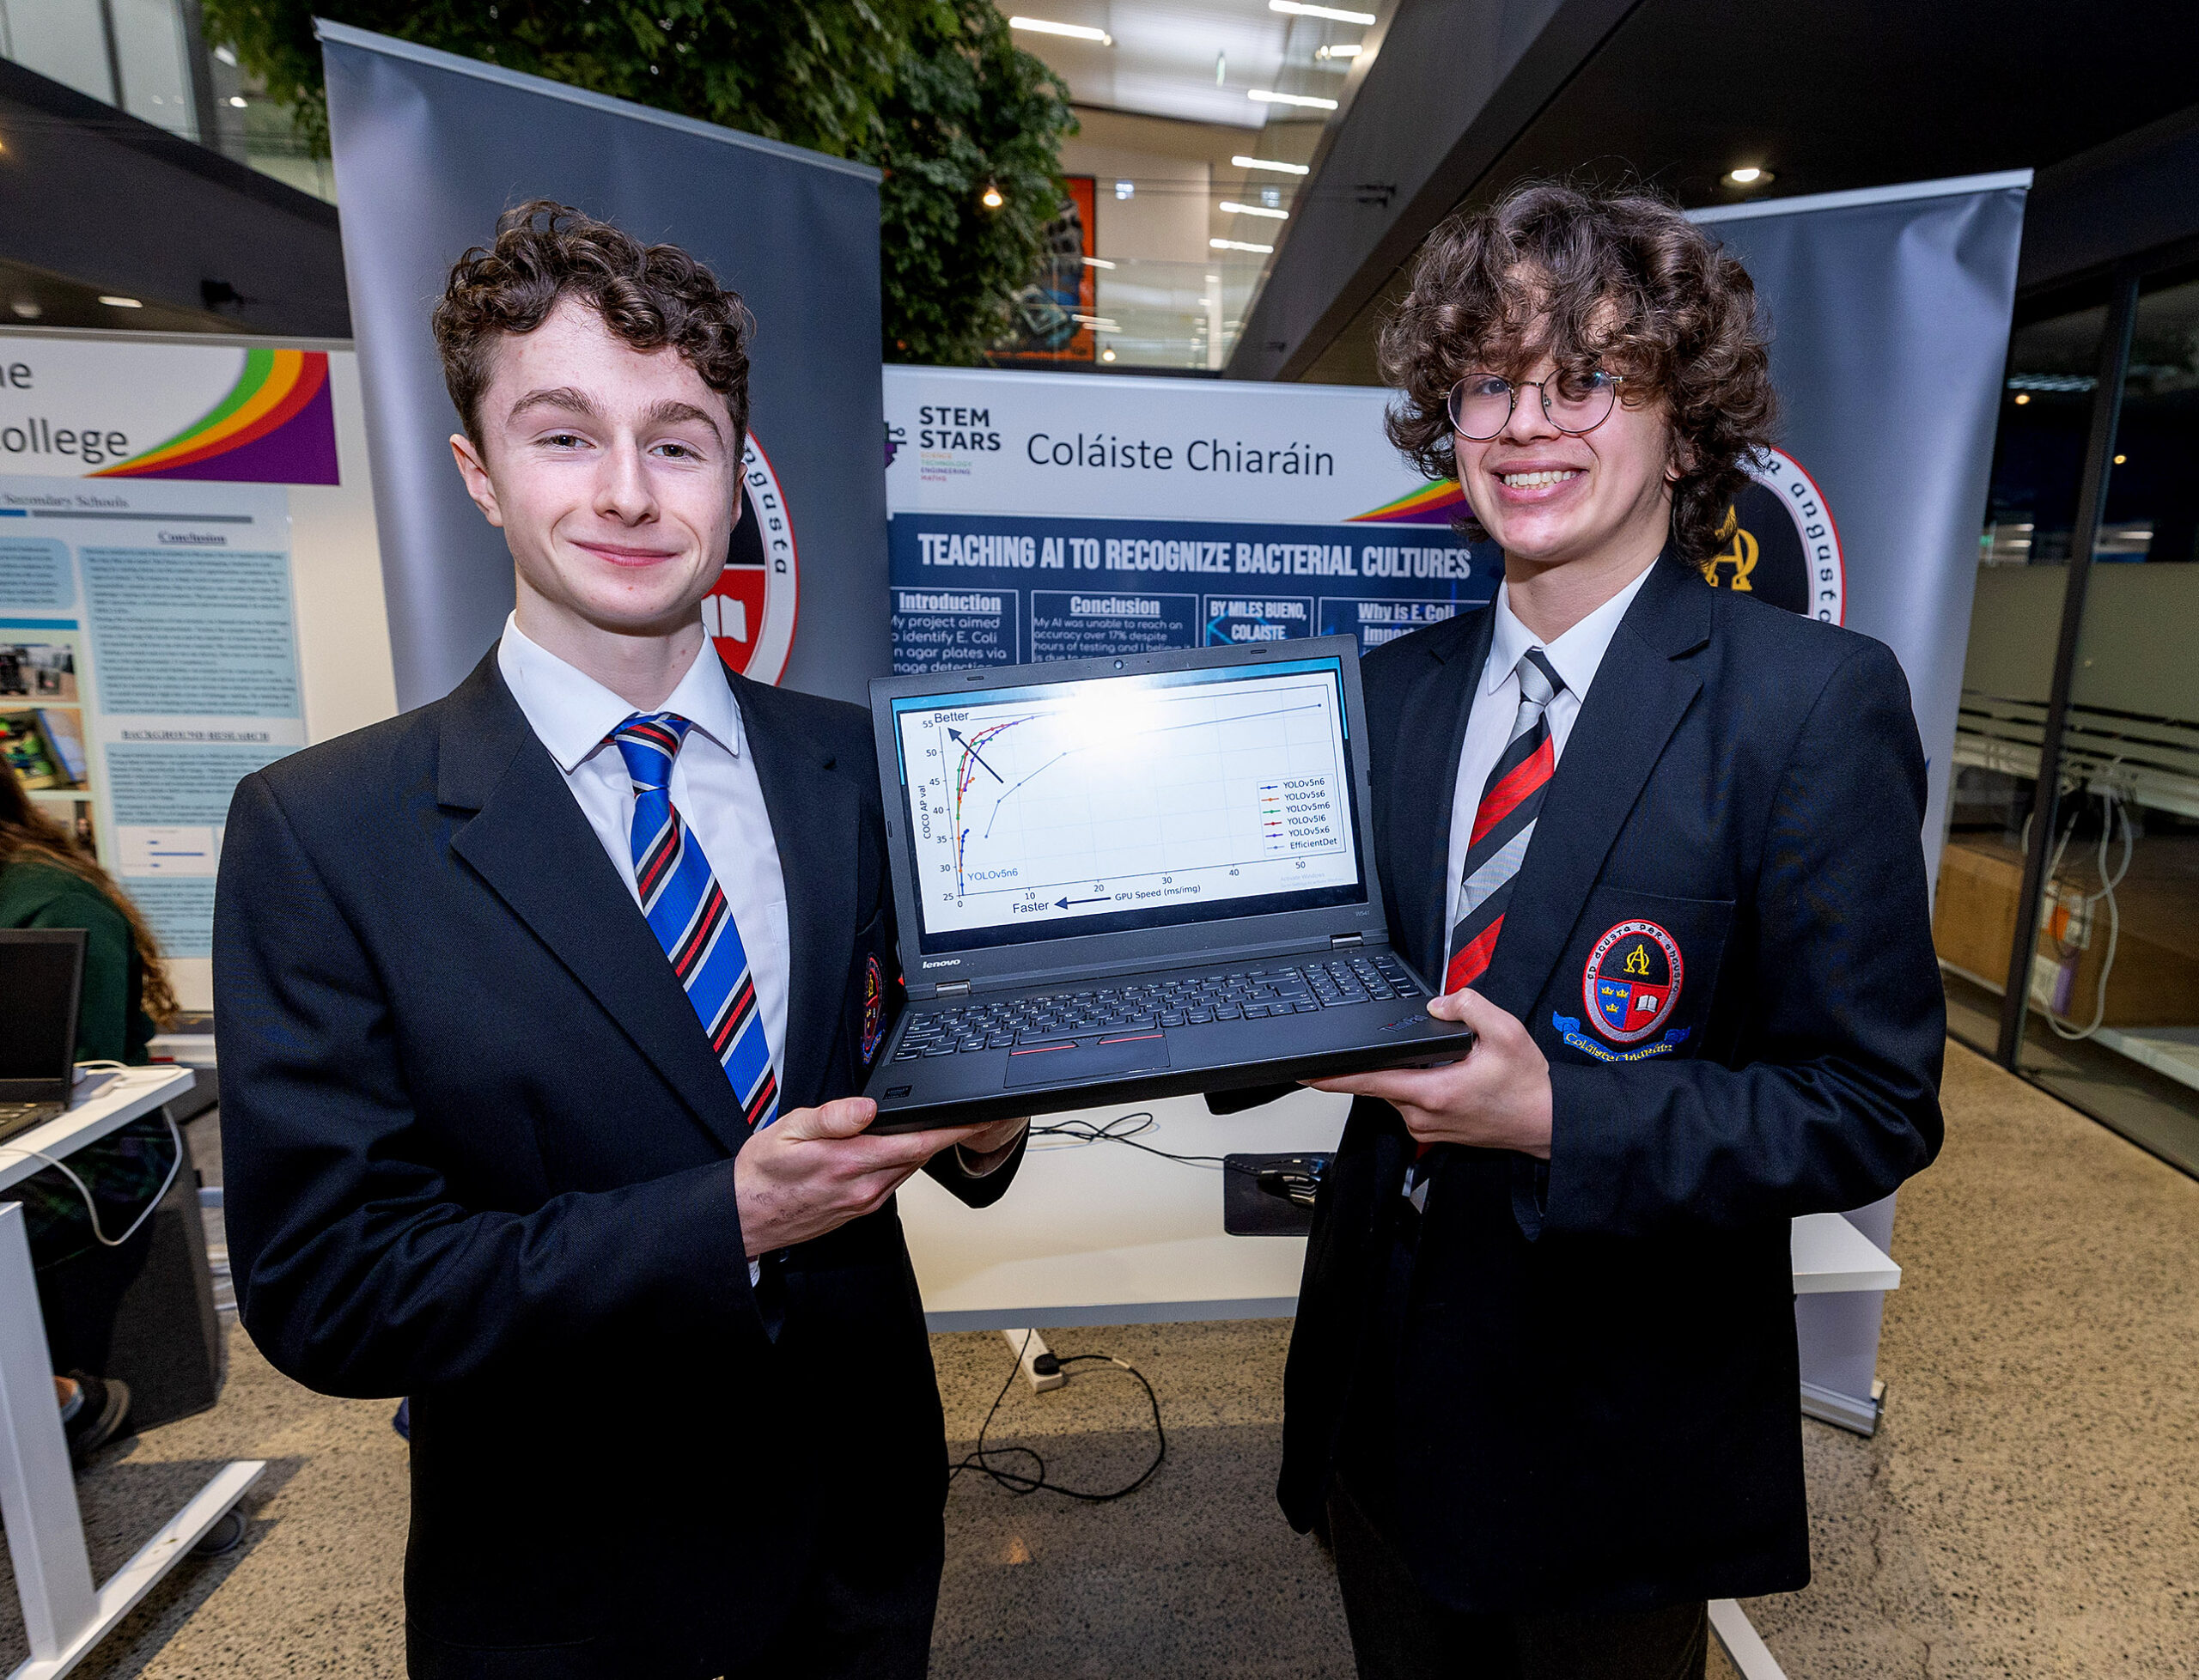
(1097, 262)
(2119, 460)
(1269, 96)
(1346, 50)
(2022, 397)
(990, 197)
(1076, 32)
(1750, 175)
(1292, 9)
(26, 309)
(1239, 244)
(227, 55)
(1126, 189)
(1270, 163)
(120, 302)
(1097, 323)
(238, 100)
(1214, 279)
(1106, 356)
(1231, 207)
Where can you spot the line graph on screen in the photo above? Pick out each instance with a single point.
(1104, 801)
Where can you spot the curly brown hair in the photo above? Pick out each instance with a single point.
(650, 295)
(1624, 281)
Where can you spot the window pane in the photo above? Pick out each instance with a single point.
(2023, 569)
(149, 38)
(2039, 455)
(63, 39)
(2115, 984)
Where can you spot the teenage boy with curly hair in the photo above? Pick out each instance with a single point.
(1662, 843)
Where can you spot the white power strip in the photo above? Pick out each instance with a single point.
(1030, 1347)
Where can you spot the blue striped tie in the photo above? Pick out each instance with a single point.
(687, 911)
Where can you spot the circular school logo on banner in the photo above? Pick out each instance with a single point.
(1632, 981)
(1778, 542)
(751, 612)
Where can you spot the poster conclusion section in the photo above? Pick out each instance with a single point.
(1037, 517)
(148, 662)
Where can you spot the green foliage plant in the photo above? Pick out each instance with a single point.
(934, 92)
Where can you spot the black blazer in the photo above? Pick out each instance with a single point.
(478, 1152)
(1595, 1399)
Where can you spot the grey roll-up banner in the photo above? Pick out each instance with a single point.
(429, 149)
(1890, 313)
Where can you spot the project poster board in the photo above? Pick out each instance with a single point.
(165, 611)
(1041, 516)
(1884, 301)
(189, 589)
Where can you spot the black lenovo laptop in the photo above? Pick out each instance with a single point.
(41, 974)
(1122, 879)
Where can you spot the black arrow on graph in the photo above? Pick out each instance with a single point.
(955, 735)
(1063, 904)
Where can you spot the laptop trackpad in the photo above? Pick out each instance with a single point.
(1071, 1060)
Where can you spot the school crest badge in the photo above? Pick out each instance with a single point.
(1632, 981)
(874, 1009)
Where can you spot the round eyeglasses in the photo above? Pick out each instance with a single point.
(1481, 405)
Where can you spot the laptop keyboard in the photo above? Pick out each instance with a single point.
(21, 1116)
(1258, 994)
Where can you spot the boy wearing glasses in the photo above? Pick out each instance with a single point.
(1662, 843)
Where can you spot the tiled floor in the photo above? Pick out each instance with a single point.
(2031, 1507)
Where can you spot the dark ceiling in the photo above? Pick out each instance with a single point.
(1859, 94)
(93, 201)
(1829, 97)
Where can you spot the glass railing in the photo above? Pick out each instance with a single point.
(1162, 314)
(1129, 312)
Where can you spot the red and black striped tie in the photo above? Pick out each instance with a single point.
(1504, 824)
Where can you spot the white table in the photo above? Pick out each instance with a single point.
(1097, 1233)
(64, 1614)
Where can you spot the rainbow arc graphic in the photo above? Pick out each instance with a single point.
(1430, 504)
(275, 425)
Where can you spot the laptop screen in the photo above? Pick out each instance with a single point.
(37, 1020)
(1144, 800)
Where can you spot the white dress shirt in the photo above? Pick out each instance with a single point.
(714, 787)
(1576, 655)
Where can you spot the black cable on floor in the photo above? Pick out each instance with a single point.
(1125, 1129)
(1019, 1483)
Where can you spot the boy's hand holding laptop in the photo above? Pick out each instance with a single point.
(1123, 879)
(790, 1191)
(1499, 1098)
